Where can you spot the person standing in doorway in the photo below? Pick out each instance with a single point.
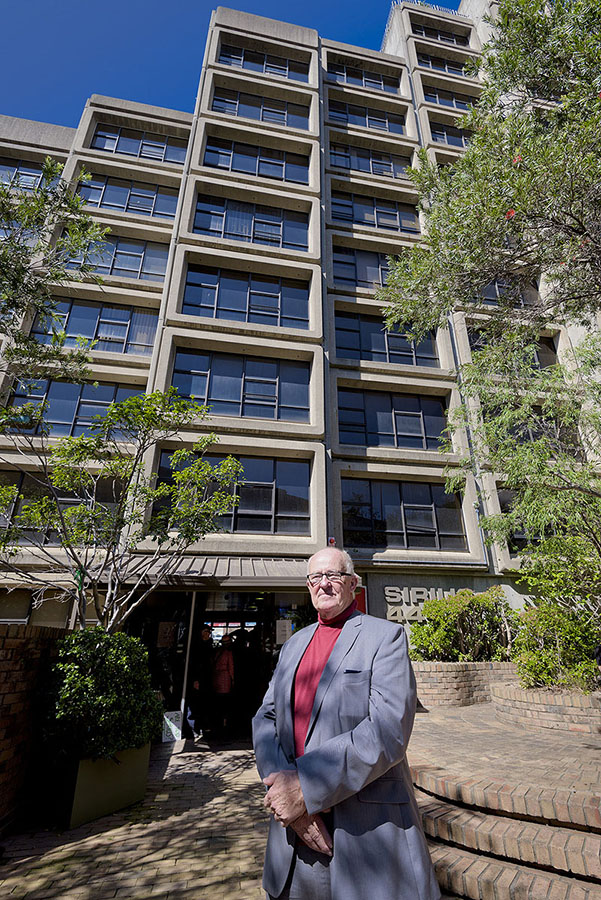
(223, 684)
(330, 741)
(200, 683)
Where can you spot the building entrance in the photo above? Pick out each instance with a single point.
(212, 653)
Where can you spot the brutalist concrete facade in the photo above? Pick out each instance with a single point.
(254, 232)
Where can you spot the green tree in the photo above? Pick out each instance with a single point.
(520, 212)
(86, 520)
(41, 229)
(523, 203)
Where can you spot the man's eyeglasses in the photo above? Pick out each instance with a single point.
(335, 577)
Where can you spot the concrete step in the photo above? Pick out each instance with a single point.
(561, 849)
(474, 877)
(526, 801)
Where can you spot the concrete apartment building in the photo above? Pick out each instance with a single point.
(247, 241)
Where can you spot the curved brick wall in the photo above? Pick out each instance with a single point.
(545, 709)
(24, 653)
(459, 683)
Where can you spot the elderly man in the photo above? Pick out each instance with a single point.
(330, 741)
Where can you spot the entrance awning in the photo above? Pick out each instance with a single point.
(234, 572)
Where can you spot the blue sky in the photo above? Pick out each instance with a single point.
(58, 52)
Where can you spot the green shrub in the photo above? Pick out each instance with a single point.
(465, 627)
(100, 696)
(555, 646)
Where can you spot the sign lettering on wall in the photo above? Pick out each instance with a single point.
(404, 604)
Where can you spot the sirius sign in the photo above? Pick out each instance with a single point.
(404, 604)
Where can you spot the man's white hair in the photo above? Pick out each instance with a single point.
(347, 562)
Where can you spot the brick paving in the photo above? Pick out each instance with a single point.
(201, 830)
(200, 833)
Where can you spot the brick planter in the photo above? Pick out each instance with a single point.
(25, 652)
(569, 711)
(459, 683)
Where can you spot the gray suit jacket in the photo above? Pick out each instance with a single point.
(354, 763)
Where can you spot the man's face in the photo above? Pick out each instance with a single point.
(330, 598)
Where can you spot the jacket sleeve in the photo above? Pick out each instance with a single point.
(269, 754)
(346, 763)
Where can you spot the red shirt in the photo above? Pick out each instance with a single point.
(309, 672)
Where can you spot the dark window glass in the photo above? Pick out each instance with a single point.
(365, 117)
(146, 145)
(348, 74)
(411, 515)
(448, 134)
(273, 499)
(19, 173)
(436, 34)
(264, 109)
(251, 222)
(237, 157)
(441, 65)
(130, 196)
(451, 99)
(518, 539)
(244, 386)
(119, 329)
(264, 62)
(374, 212)
(238, 296)
(364, 337)
(128, 258)
(106, 493)
(71, 408)
(546, 354)
(381, 419)
(363, 268)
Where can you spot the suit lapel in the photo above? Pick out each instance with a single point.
(287, 681)
(348, 636)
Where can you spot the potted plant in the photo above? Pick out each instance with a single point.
(101, 716)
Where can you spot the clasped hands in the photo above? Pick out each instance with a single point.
(285, 801)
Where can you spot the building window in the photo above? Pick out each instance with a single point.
(261, 161)
(502, 289)
(273, 499)
(128, 258)
(448, 134)
(447, 98)
(246, 297)
(106, 492)
(251, 222)
(361, 268)
(244, 386)
(242, 58)
(518, 539)
(546, 353)
(130, 196)
(143, 144)
(264, 109)
(437, 34)
(19, 173)
(374, 212)
(411, 515)
(382, 419)
(346, 74)
(371, 161)
(71, 408)
(438, 64)
(118, 329)
(364, 337)
(365, 117)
